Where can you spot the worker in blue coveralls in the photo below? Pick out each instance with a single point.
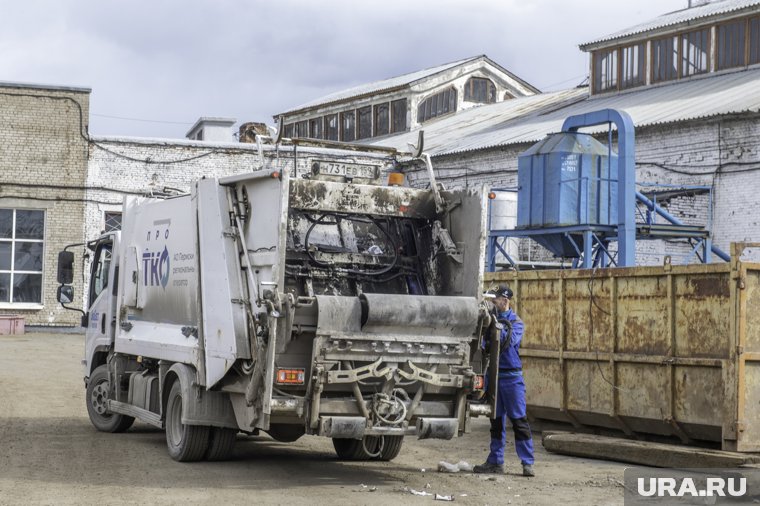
(510, 401)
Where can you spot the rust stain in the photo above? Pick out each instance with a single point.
(709, 286)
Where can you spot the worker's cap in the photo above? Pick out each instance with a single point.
(501, 291)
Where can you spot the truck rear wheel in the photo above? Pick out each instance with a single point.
(391, 447)
(98, 391)
(358, 449)
(221, 443)
(186, 443)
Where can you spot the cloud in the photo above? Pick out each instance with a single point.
(175, 61)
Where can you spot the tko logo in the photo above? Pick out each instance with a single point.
(685, 487)
(156, 268)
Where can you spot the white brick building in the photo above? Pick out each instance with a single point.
(403, 103)
(690, 80)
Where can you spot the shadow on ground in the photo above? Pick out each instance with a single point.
(70, 450)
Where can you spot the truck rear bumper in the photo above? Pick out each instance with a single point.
(355, 427)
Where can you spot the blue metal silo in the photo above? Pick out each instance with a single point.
(565, 180)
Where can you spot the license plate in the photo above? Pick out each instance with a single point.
(349, 170)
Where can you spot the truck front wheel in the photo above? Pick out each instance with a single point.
(98, 392)
(186, 443)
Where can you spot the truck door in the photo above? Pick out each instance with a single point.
(100, 301)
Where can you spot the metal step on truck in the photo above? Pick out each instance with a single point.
(327, 304)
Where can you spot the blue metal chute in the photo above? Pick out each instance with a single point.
(576, 196)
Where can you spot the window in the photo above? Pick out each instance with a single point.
(331, 127)
(365, 122)
(605, 70)
(315, 128)
(633, 65)
(664, 57)
(21, 253)
(736, 43)
(437, 105)
(381, 120)
(398, 115)
(754, 41)
(479, 90)
(112, 221)
(100, 271)
(302, 129)
(347, 124)
(731, 41)
(288, 131)
(695, 48)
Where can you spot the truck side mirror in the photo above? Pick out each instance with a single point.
(65, 294)
(65, 268)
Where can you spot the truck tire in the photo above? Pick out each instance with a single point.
(186, 443)
(391, 448)
(98, 388)
(220, 443)
(354, 449)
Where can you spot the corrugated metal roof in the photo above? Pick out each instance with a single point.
(444, 133)
(678, 17)
(385, 84)
(529, 119)
(379, 86)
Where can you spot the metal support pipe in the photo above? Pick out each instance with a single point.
(626, 175)
(439, 205)
(675, 221)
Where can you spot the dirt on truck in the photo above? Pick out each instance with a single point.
(324, 303)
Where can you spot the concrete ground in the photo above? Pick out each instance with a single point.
(50, 454)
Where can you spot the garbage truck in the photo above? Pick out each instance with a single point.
(327, 303)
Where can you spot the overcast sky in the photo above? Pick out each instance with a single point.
(166, 63)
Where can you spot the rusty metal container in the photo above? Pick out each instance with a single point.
(671, 350)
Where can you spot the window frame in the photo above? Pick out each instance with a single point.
(316, 128)
(107, 218)
(744, 24)
(329, 131)
(393, 113)
(674, 41)
(345, 115)
(632, 52)
(364, 122)
(683, 64)
(438, 104)
(103, 268)
(469, 90)
(12, 271)
(612, 82)
(753, 35)
(381, 126)
(302, 129)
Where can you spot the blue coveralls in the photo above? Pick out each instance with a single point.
(510, 402)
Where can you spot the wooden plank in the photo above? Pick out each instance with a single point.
(642, 452)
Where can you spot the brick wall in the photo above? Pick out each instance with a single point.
(43, 160)
(142, 167)
(721, 153)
